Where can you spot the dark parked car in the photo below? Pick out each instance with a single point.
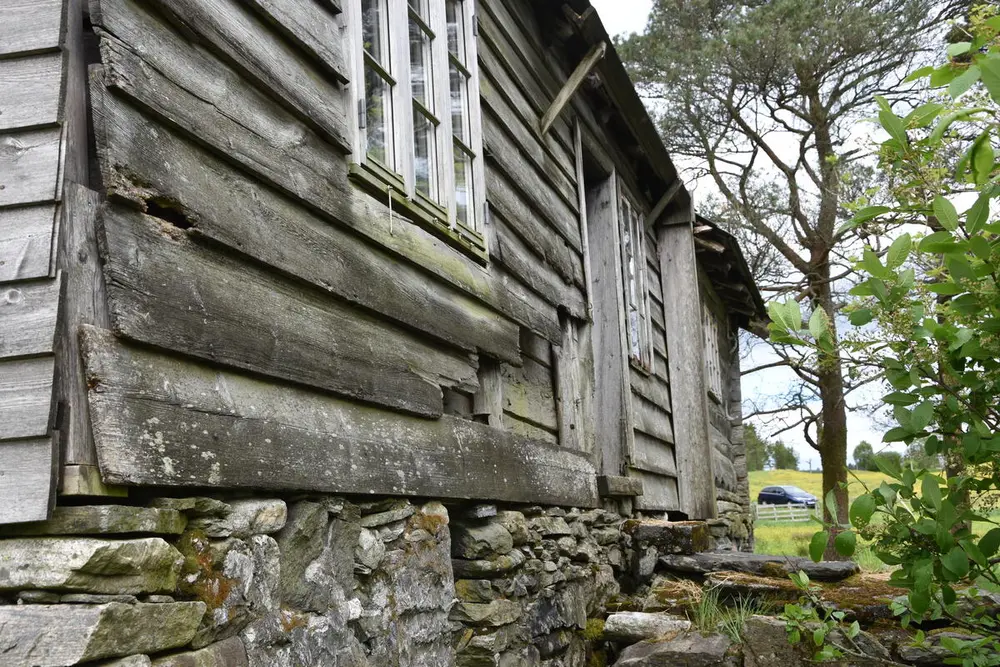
(785, 495)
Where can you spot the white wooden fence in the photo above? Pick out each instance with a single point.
(784, 512)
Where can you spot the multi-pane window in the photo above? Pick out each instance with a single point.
(637, 319)
(714, 367)
(418, 106)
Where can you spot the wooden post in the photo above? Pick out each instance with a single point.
(685, 351)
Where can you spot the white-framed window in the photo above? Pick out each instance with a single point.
(638, 324)
(418, 118)
(714, 368)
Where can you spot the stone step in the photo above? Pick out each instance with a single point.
(56, 635)
(629, 627)
(688, 650)
(102, 520)
(669, 537)
(88, 565)
(759, 564)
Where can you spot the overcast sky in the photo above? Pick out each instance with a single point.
(627, 16)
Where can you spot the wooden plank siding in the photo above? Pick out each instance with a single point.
(240, 124)
(37, 147)
(239, 252)
(264, 435)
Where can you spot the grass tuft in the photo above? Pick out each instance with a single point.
(711, 615)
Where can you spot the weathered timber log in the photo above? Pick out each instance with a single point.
(195, 92)
(528, 393)
(312, 28)
(264, 57)
(169, 422)
(167, 291)
(502, 150)
(535, 274)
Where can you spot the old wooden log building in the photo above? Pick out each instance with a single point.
(418, 253)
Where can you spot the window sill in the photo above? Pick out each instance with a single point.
(639, 366)
(420, 211)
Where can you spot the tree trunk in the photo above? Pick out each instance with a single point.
(832, 436)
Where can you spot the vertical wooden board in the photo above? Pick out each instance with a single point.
(84, 302)
(29, 166)
(658, 492)
(613, 429)
(28, 313)
(26, 484)
(528, 393)
(487, 404)
(685, 348)
(26, 241)
(25, 397)
(28, 26)
(29, 90)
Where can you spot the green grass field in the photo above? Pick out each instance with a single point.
(792, 539)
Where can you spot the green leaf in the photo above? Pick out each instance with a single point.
(978, 214)
(958, 48)
(819, 325)
(959, 268)
(945, 212)
(846, 542)
(817, 545)
(991, 76)
(990, 542)
(862, 510)
(946, 289)
(982, 249)
(899, 251)
(861, 317)
(938, 242)
(963, 81)
(900, 398)
(854, 630)
(982, 158)
(870, 212)
(956, 562)
(920, 601)
(894, 126)
(921, 416)
(930, 492)
(919, 73)
(888, 467)
(794, 314)
(946, 122)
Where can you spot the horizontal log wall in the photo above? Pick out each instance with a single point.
(233, 238)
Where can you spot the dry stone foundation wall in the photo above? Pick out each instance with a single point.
(320, 581)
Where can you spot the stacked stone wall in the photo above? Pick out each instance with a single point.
(320, 581)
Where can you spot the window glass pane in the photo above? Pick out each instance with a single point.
(456, 29)
(421, 75)
(459, 104)
(420, 7)
(372, 22)
(378, 117)
(424, 155)
(463, 188)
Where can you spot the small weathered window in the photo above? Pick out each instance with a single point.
(419, 139)
(637, 320)
(714, 368)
